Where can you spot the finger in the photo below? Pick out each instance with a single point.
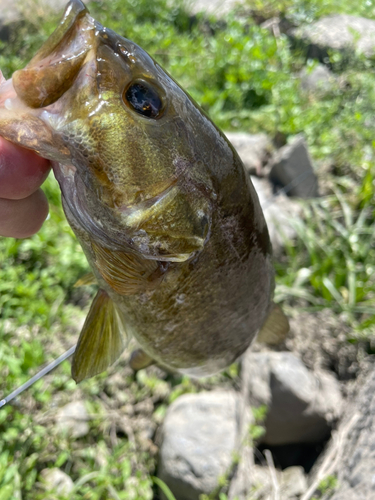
(21, 171)
(22, 218)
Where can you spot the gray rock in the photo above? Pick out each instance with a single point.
(340, 32)
(9, 11)
(12, 12)
(55, 479)
(302, 405)
(293, 163)
(319, 80)
(292, 483)
(279, 212)
(218, 8)
(199, 436)
(72, 419)
(262, 482)
(351, 454)
(253, 149)
(240, 480)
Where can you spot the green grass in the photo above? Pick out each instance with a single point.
(246, 80)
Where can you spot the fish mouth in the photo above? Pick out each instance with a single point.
(66, 55)
(52, 71)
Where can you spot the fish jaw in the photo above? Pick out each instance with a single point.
(30, 110)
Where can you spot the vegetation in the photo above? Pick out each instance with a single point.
(246, 79)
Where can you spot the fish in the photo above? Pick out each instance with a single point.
(158, 198)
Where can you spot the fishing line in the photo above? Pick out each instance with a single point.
(38, 376)
(300, 178)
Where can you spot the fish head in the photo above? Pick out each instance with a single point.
(122, 135)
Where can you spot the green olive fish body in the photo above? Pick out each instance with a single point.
(157, 196)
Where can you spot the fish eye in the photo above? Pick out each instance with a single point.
(144, 99)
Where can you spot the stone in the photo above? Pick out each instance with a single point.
(56, 480)
(217, 8)
(72, 419)
(319, 79)
(199, 436)
(339, 32)
(293, 163)
(13, 12)
(279, 212)
(292, 483)
(350, 456)
(302, 405)
(262, 482)
(253, 149)
(240, 478)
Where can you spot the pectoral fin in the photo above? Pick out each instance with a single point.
(102, 340)
(86, 279)
(126, 273)
(276, 327)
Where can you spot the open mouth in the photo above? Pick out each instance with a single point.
(7, 92)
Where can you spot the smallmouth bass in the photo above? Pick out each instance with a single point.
(157, 196)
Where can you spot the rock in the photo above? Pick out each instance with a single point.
(218, 8)
(279, 212)
(262, 486)
(292, 483)
(12, 12)
(253, 149)
(72, 419)
(199, 435)
(9, 12)
(55, 479)
(350, 457)
(240, 478)
(319, 79)
(302, 405)
(293, 163)
(340, 32)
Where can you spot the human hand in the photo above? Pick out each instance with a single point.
(23, 205)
